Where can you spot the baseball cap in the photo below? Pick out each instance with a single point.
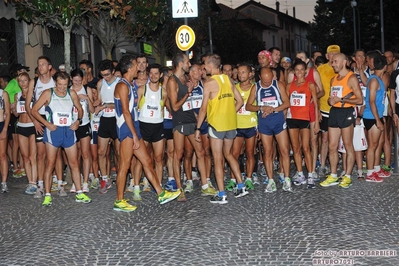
(333, 49)
(18, 66)
(286, 59)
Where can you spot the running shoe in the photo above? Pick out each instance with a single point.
(255, 179)
(249, 185)
(374, 178)
(346, 182)
(85, 188)
(4, 188)
(167, 196)
(262, 169)
(48, 201)
(81, 197)
(266, 181)
(316, 177)
(17, 173)
(209, 191)
(30, 189)
(287, 187)
(146, 185)
(104, 187)
(219, 199)
(311, 183)
(123, 206)
(330, 181)
(182, 196)
(384, 174)
(171, 185)
(281, 179)
(95, 183)
(195, 176)
(130, 188)
(271, 187)
(136, 194)
(189, 186)
(298, 180)
(386, 168)
(61, 192)
(39, 193)
(231, 185)
(238, 193)
(73, 189)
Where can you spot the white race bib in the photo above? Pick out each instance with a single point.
(187, 105)
(21, 107)
(62, 119)
(336, 91)
(243, 111)
(166, 113)
(109, 112)
(136, 114)
(298, 99)
(196, 101)
(151, 111)
(270, 102)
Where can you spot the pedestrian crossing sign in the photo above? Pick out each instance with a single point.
(185, 8)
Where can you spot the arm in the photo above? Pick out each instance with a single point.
(38, 126)
(237, 96)
(7, 113)
(78, 106)
(284, 97)
(313, 90)
(202, 111)
(251, 100)
(90, 100)
(320, 89)
(14, 106)
(44, 99)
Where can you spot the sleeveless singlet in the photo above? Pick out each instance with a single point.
(185, 115)
(299, 101)
(59, 109)
(107, 96)
(151, 106)
(197, 96)
(246, 119)
(379, 99)
(85, 107)
(341, 89)
(38, 90)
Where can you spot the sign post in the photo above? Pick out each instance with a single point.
(185, 36)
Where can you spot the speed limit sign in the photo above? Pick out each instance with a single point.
(185, 37)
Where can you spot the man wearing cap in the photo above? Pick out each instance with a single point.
(326, 74)
(345, 94)
(12, 89)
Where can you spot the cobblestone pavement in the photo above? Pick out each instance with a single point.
(259, 229)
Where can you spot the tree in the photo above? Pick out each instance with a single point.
(66, 13)
(327, 29)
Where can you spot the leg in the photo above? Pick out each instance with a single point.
(51, 152)
(102, 152)
(296, 147)
(333, 138)
(217, 153)
(125, 159)
(347, 138)
(86, 157)
(236, 150)
(178, 141)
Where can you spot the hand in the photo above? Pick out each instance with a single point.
(75, 125)
(380, 125)
(333, 100)
(3, 134)
(395, 119)
(136, 143)
(52, 127)
(197, 136)
(358, 120)
(96, 103)
(38, 127)
(316, 128)
(190, 86)
(97, 109)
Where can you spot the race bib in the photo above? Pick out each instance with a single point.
(364, 90)
(166, 113)
(243, 111)
(270, 102)
(95, 124)
(336, 91)
(109, 112)
(151, 111)
(21, 107)
(136, 114)
(298, 99)
(187, 105)
(62, 119)
(196, 101)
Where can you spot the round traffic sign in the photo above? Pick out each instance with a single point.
(185, 37)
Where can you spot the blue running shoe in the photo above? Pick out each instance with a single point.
(171, 185)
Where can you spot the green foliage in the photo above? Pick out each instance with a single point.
(327, 29)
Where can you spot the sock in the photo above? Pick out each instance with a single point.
(222, 193)
(300, 173)
(59, 183)
(310, 175)
(360, 172)
(240, 185)
(205, 186)
(79, 192)
(248, 178)
(208, 180)
(334, 175)
(137, 187)
(170, 178)
(281, 175)
(40, 183)
(377, 168)
(105, 178)
(48, 194)
(235, 181)
(369, 172)
(348, 176)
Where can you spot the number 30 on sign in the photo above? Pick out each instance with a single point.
(185, 37)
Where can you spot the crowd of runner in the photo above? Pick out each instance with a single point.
(326, 114)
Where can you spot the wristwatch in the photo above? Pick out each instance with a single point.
(80, 121)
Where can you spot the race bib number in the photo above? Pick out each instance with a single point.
(243, 111)
(196, 101)
(187, 105)
(21, 107)
(136, 114)
(62, 119)
(364, 90)
(95, 125)
(151, 111)
(298, 99)
(336, 91)
(108, 112)
(166, 113)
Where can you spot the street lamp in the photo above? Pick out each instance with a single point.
(343, 21)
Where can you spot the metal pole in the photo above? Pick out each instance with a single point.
(396, 157)
(382, 26)
(186, 23)
(210, 34)
(358, 28)
(354, 28)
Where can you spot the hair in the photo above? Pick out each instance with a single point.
(45, 58)
(126, 62)
(193, 65)
(317, 51)
(106, 65)
(297, 62)
(165, 72)
(271, 49)
(215, 60)
(373, 54)
(142, 56)
(88, 63)
(228, 64)
(202, 57)
(320, 60)
(155, 65)
(245, 65)
(21, 75)
(179, 57)
(61, 75)
(76, 72)
(380, 62)
(303, 52)
(6, 78)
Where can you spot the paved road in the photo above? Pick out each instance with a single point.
(259, 229)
